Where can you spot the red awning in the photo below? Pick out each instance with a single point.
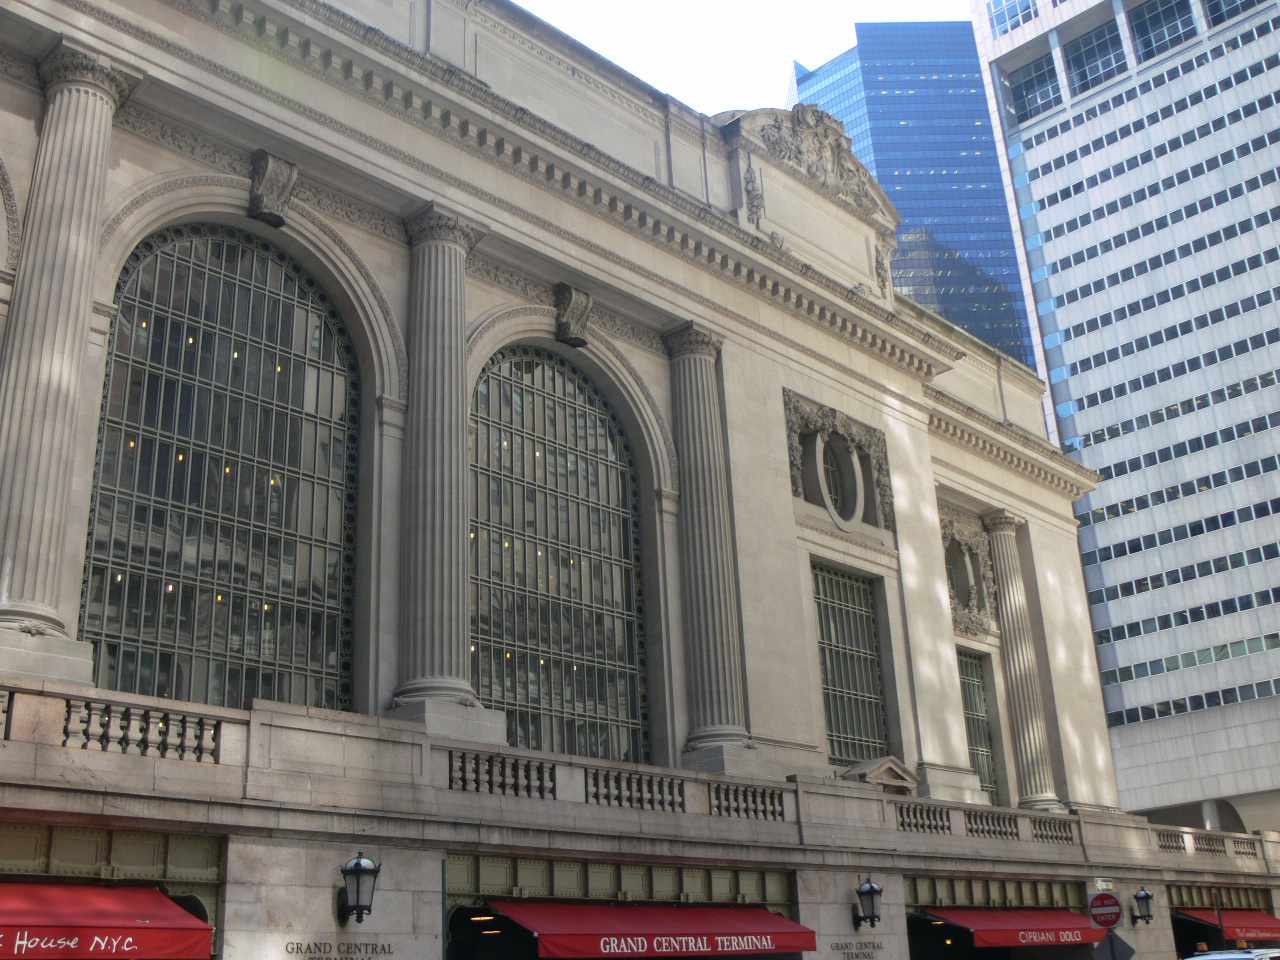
(50, 921)
(643, 930)
(1238, 924)
(1023, 928)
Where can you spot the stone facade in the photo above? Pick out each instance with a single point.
(475, 185)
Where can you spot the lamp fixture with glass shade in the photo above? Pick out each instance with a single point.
(355, 896)
(867, 908)
(1141, 906)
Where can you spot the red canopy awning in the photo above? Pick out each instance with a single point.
(1023, 928)
(1238, 924)
(644, 930)
(51, 921)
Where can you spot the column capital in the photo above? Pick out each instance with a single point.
(1002, 521)
(692, 340)
(433, 225)
(71, 64)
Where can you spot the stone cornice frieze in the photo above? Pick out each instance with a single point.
(13, 67)
(607, 322)
(1007, 445)
(838, 308)
(12, 223)
(214, 152)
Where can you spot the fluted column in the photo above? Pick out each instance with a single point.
(435, 662)
(42, 353)
(1021, 671)
(708, 571)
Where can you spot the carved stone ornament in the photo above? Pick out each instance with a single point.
(805, 417)
(882, 270)
(69, 65)
(814, 142)
(573, 315)
(271, 183)
(754, 195)
(965, 531)
(692, 340)
(435, 226)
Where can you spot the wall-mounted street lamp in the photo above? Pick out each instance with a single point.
(867, 909)
(355, 896)
(1141, 906)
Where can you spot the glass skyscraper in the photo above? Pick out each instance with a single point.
(910, 96)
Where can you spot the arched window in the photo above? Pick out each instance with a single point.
(557, 638)
(222, 533)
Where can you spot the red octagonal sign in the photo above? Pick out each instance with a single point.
(1104, 909)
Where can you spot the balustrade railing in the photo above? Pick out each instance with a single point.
(747, 801)
(506, 776)
(1171, 841)
(108, 727)
(635, 791)
(1209, 843)
(991, 824)
(915, 817)
(1053, 830)
(1245, 847)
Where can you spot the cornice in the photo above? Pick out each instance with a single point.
(889, 335)
(1007, 445)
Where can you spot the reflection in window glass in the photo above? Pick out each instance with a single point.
(1096, 57)
(852, 684)
(1160, 25)
(557, 639)
(222, 530)
(1033, 89)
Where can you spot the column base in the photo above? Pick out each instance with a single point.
(740, 759)
(1044, 802)
(453, 719)
(939, 781)
(35, 650)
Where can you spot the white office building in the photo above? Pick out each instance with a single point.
(1139, 149)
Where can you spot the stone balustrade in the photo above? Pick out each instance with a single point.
(298, 757)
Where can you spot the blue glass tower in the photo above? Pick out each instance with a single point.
(911, 98)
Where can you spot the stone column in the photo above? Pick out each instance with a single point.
(713, 641)
(435, 659)
(41, 360)
(1021, 669)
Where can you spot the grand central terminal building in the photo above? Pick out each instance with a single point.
(427, 449)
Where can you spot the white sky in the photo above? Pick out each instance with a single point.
(725, 54)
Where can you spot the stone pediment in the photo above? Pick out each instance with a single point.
(888, 773)
(813, 144)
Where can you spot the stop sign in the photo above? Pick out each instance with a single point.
(1104, 910)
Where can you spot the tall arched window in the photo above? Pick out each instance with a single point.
(222, 535)
(557, 637)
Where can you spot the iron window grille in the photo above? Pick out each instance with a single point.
(852, 681)
(977, 719)
(557, 625)
(221, 549)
